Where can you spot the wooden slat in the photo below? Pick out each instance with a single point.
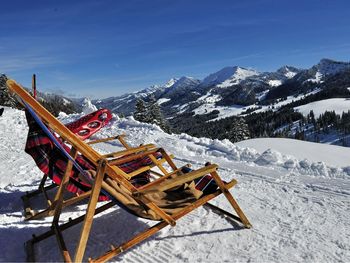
(58, 201)
(179, 180)
(129, 151)
(111, 190)
(76, 199)
(230, 198)
(107, 139)
(132, 157)
(85, 230)
(168, 158)
(43, 189)
(123, 142)
(62, 244)
(157, 181)
(138, 171)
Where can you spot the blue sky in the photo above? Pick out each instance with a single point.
(107, 48)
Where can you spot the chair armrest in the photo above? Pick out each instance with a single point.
(177, 180)
(107, 139)
(131, 157)
(129, 151)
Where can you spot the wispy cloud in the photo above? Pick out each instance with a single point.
(12, 64)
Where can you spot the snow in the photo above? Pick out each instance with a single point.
(317, 79)
(299, 208)
(290, 74)
(185, 83)
(331, 67)
(66, 102)
(275, 83)
(227, 111)
(170, 83)
(262, 95)
(162, 100)
(88, 107)
(227, 76)
(224, 111)
(339, 105)
(208, 104)
(239, 75)
(336, 155)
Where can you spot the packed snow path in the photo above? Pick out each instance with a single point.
(300, 209)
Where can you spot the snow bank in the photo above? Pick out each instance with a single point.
(315, 152)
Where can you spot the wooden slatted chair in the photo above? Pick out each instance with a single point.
(37, 138)
(110, 180)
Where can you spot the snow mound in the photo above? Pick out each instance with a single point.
(88, 107)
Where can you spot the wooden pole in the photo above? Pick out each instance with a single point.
(34, 86)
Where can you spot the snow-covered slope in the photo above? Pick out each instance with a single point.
(338, 105)
(299, 208)
(313, 152)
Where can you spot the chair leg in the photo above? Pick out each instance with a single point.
(231, 200)
(58, 201)
(85, 230)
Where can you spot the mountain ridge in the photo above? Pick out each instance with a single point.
(233, 85)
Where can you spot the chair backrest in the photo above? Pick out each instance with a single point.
(50, 121)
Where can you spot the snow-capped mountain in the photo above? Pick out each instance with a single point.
(227, 76)
(187, 90)
(322, 70)
(229, 87)
(180, 86)
(288, 71)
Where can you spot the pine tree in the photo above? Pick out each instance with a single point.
(235, 131)
(150, 113)
(6, 99)
(156, 116)
(140, 113)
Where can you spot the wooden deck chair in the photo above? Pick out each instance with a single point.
(146, 201)
(30, 213)
(43, 189)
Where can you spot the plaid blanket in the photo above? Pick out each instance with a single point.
(51, 161)
(205, 184)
